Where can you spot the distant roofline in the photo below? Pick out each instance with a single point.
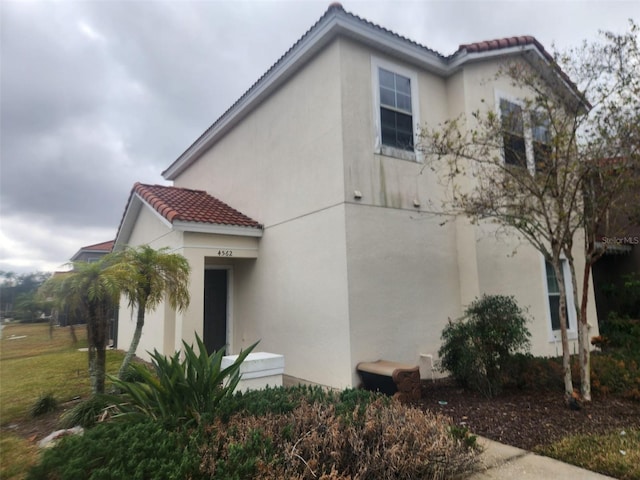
(102, 247)
(337, 22)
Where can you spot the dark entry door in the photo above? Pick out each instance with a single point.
(215, 309)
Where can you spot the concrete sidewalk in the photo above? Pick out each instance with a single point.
(503, 462)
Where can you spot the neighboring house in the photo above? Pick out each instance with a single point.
(620, 239)
(337, 257)
(90, 253)
(93, 253)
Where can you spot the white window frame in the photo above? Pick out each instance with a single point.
(526, 125)
(572, 324)
(378, 147)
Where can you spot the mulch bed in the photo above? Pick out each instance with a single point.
(527, 418)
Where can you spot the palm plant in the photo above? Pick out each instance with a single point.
(149, 277)
(93, 290)
(186, 387)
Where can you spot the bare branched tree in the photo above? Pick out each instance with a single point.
(553, 165)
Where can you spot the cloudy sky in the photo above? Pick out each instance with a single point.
(96, 95)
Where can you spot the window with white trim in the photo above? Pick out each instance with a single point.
(553, 296)
(396, 112)
(396, 118)
(525, 136)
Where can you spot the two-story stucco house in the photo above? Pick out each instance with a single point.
(304, 210)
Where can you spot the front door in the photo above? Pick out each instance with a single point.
(215, 309)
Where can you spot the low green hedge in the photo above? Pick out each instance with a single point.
(300, 433)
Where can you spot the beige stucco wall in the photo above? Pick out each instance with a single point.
(294, 298)
(283, 166)
(284, 159)
(402, 284)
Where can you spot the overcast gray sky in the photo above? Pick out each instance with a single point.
(96, 95)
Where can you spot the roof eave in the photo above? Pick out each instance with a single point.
(128, 221)
(80, 252)
(220, 229)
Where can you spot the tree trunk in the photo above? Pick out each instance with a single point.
(93, 373)
(134, 341)
(72, 331)
(584, 351)
(585, 369)
(100, 366)
(566, 354)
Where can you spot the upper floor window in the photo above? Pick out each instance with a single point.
(396, 118)
(396, 112)
(541, 139)
(515, 150)
(525, 136)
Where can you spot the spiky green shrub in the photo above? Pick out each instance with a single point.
(477, 349)
(44, 404)
(86, 413)
(117, 450)
(180, 390)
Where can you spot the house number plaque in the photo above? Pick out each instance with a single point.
(225, 253)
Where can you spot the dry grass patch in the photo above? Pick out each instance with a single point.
(22, 454)
(616, 454)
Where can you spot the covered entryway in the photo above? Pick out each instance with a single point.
(216, 298)
(214, 238)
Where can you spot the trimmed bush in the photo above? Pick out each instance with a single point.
(477, 349)
(614, 376)
(528, 372)
(610, 375)
(621, 333)
(284, 400)
(113, 451)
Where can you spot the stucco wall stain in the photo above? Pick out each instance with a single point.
(383, 186)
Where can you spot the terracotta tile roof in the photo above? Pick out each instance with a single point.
(182, 204)
(521, 41)
(502, 43)
(100, 247)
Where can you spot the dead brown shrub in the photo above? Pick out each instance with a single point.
(378, 442)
